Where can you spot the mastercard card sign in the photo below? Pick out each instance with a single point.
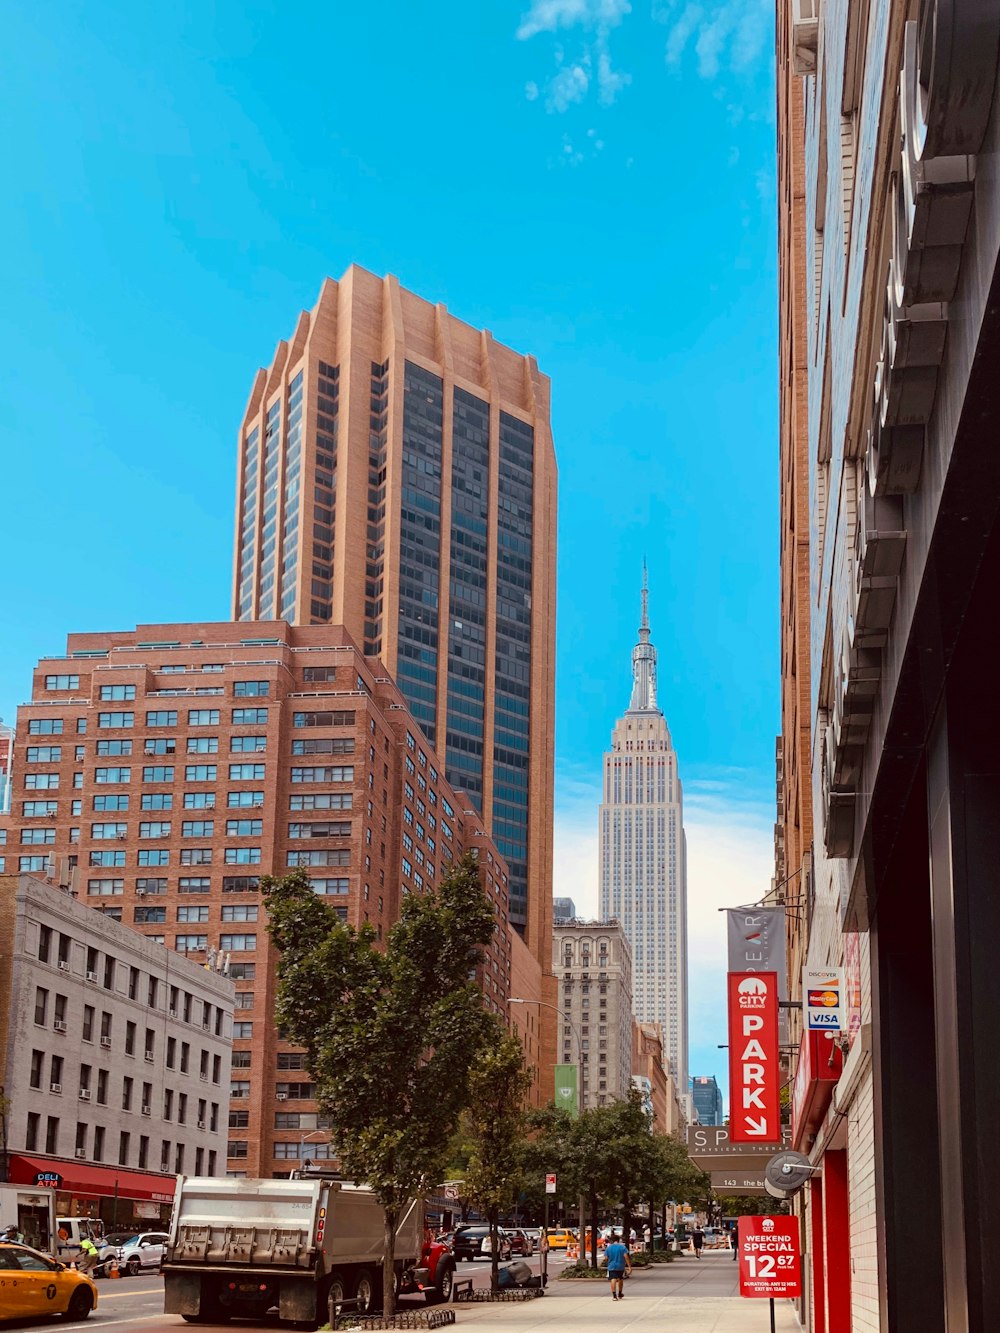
(823, 999)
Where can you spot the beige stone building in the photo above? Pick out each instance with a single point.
(115, 1057)
(593, 965)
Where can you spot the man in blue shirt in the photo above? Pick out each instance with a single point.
(618, 1264)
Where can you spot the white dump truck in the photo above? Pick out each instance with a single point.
(243, 1247)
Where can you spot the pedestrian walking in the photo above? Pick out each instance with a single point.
(698, 1241)
(618, 1265)
(734, 1241)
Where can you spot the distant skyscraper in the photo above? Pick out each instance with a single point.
(707, 1100)
(397, 476)
(643, 856)
(563, 909)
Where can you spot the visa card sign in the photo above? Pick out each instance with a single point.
(823, 999)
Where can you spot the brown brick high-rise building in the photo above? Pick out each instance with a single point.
(397, 476)
(161, 771)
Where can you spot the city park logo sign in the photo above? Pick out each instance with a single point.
(754, 1082)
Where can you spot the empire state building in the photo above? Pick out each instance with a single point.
(643, 857)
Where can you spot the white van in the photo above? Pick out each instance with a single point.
(70, 1231)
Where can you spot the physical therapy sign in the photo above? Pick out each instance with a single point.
(770, 1263)
(754, 1082)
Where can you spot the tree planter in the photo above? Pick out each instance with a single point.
(402, 1319)
(514, 1294)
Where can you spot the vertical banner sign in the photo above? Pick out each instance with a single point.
(754, 1082)
(550, 1184)
(769, 1255)
(823, 994)
(756, 943)
(566, 1089)
(756, 939)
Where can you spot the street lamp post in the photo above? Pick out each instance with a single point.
(303, 1140)
(545, 1004)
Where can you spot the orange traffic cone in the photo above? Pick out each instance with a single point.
(113, 1269)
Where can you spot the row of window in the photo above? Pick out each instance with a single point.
(52, 1143)
(90, 1030)
(104, 969)
(242, 689)
(197, 914)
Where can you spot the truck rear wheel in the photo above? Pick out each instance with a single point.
(368, 1293)
(336, 1292)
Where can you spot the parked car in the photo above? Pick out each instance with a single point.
(35, 1284)
(535, 1233)
(476, 1243)
(108, 1246)
(141, 1251)
(520, 1242)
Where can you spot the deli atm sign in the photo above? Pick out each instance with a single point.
(770, 1263)
(754, 1082)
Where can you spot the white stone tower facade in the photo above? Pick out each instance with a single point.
(643, 857)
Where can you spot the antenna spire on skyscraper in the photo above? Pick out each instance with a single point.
(644, 659)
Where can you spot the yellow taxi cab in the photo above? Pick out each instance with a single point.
(33, 1285)
(559, 1238)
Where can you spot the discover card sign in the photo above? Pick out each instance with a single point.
(769, 1256)
(754, 1083)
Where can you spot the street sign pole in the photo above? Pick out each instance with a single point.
(545, 1245)
(772, 1314)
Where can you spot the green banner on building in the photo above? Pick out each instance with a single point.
(567, 1083)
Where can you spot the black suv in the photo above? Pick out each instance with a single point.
(474, 1243)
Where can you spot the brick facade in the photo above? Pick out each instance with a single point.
(161, 771)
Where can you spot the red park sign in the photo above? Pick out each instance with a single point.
(754, 1082)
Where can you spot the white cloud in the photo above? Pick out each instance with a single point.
(569, 85)
(592, 64)
(681, 31)
(732, 33)
(730, 840)
(548, 15)
(531, 91)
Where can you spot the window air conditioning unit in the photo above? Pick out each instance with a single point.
(150, 1057)
(201, 1124)
(84, 1094)
(59, 1025)
(206, 1027)
(63, 965)
(203, 1077)
(91, 976)
(147, 1109)
(106, 1043)
(140, 893)
(81, 1152)
(171, 1013)
(55, 1087)
(805, 35)
(281, 1096)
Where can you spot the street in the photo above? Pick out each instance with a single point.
(689, 1295)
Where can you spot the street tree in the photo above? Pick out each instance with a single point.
(495, 1123)
(389, 1034)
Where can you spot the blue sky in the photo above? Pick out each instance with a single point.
(591, 180)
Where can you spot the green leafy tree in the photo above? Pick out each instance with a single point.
(495, 1123)
(389, 1036)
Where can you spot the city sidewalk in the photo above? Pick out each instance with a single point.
(687, 1296)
